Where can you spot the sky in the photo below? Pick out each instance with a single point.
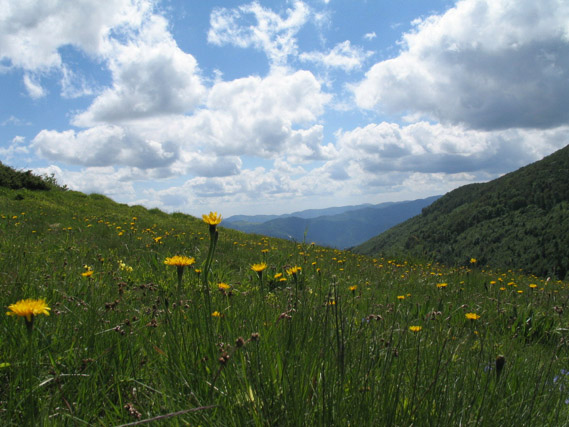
(270, 107)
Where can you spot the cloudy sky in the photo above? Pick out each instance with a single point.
(247, 107)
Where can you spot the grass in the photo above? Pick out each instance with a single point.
(345, 340)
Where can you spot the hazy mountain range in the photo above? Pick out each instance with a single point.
(338, 227)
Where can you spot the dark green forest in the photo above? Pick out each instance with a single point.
(520, 220)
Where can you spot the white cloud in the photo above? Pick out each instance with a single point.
(263, 117)
(271, 33)
(32, 32)
(102, 180)
(379, 149)
(33, 86)
(73, 85)
(370, 36)
(343, 55)
(15, 148)
(104, 146)
(151, 76)
(486, 64)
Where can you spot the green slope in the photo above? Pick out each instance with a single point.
(520, 220)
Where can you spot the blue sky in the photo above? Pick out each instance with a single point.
(259, 107)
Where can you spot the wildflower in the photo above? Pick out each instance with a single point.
(533, 285)
(277, 276)
(353, 288)
(293, 271)
(124, 267)
(223, 286)
(472, 316)
(442, 285)
(179, 261)
(29, 308)
(212, 219)
(216, 314)
(258, 268)
(415, 328)
(473, 261)
(400, 297)
(87, 273)
(157, 239)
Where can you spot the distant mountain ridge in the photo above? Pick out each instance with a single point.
(338, 227)
(520, 221)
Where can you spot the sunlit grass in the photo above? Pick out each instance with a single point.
(261, 331)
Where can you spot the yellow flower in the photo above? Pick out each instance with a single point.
(441, 285)
(353, 288)
(400, 297)
(212, 218)
(472, 316)
(223, 286)
(533, 285)
(293, 270)
(473, 261)
(216, 314)
(180, 261)
(277, 275)
(415, 328)
(88, 273)
(258, 267)
(28, 308)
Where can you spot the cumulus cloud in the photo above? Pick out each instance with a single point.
(104, 146)
(343, 55)
(271, 33)
(32, 32)
(263, 117)
(151, 76)
(102, 180)
(435, 148)
(484, 64)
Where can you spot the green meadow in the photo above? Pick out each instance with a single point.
(317, 337)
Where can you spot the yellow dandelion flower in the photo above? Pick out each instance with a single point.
(179, 261)
(415, 328)
(277, 276)
(472, 316)
(28, 308)
(353, 288)
(216, 314)
(442, 285)
(473, 260)
(533, 285)
(258, 268)
(213, 218)
(400, 297)
(223, 286)
(293, 271)
(87, 273)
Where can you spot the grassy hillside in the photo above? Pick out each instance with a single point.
(520, 221)
(317, 337)
(342, 230)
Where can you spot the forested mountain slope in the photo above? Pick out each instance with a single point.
(520, 220)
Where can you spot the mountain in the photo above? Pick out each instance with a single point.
(520, 221)
(309, 213)
(339, 227)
